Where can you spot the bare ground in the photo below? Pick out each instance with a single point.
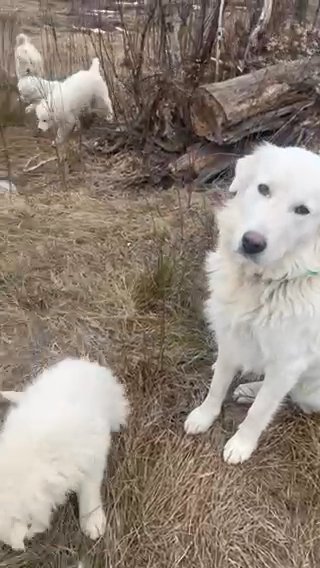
(106, 268)
(102, 270)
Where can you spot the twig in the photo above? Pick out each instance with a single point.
(32, 159)
(27, 168)
(220, 31)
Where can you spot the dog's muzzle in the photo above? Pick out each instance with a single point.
(253, 243)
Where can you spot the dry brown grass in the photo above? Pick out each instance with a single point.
(118, 277)
(104, 267)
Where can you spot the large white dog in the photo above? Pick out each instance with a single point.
(28, 60)
(264, 283)
(33, 89)
(64, 105)
(54, 441)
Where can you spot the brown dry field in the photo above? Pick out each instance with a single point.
(107, 269)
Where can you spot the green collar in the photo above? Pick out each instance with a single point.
(312, 273)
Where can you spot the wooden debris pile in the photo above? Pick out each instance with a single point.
(229, 116)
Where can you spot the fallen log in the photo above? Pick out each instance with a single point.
(204, 157)
(209, 159)
(260, 101)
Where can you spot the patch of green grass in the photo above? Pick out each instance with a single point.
(154, 284)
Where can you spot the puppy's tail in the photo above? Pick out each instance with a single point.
(118, 405)
(21, 39)
(95, 66)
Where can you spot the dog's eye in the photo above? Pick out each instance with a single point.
(301, 210)
(264, 189)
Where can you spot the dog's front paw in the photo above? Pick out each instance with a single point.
(94, 524)
(238, 449)
(200, 420)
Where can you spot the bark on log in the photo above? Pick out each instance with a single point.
(208, 158)
(257, 102)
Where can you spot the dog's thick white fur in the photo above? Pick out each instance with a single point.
(79, 92)
(28, 59)
(264, 303)
(33, 89)
(55, 440)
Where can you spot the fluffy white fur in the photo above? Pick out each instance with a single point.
(265, 308)
(28, 60)
(33, 89)
(79, 92)
(55, 440)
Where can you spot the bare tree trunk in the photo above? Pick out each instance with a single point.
(219, 39)
(316, 14)
(301, 9)
(262, 23)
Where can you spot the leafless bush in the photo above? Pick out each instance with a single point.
(170, 48)
(9, 25)
(159, 52)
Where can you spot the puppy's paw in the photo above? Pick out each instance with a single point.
(18, 546)
(238, 449)
(17, 536)
(200, 420)
(94, 524)
(29, 109)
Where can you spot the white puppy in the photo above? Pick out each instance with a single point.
(264, 284)
(54, 441)
(28, 60)
(33, 89)
(77, 93)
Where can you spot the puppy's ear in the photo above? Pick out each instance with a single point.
(243, 174)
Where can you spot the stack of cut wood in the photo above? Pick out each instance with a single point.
(264, 101)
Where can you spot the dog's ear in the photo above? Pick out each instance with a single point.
(243, 173)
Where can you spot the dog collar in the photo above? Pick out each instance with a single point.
(312, 273)
(303, 275)
(305, 388)
(298, 276)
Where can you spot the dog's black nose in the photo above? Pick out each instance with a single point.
(253, 242)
